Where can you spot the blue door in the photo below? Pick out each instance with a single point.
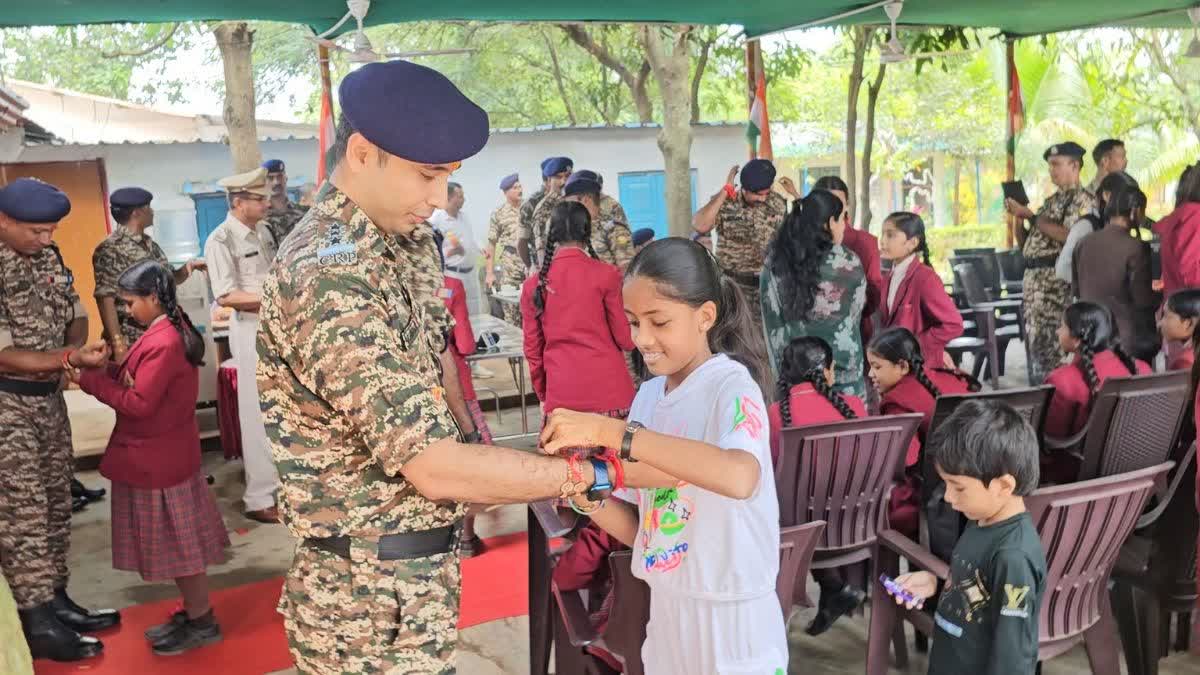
(212, 207)
(642, 196)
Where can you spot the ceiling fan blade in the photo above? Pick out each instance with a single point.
(429, 52)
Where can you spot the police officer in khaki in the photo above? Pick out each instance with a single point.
(239, 254)
(42, 331)
(374, 470)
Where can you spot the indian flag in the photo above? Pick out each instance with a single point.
(325, 133)
(758, 130)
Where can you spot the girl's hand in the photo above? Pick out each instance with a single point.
(921, 585)
(93, 355)
(570, 429)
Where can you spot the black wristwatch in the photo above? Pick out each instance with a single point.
(473, 437)
(627, 441)
(602, 487)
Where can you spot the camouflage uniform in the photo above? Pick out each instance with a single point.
(503, 232)
(529, 231)
(611, 209)
(117, 253)
(281, 223)
(37, 303)
(611, 239)
(1046, 295)
(744, 232)
(350, 390)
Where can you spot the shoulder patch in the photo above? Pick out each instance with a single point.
(335, 250)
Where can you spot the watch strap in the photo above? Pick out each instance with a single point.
(627, 441)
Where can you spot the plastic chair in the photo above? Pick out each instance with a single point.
(547, 526)
(986, 267)
(1012, 271)
(1082, 526)
(1009, 315)
(1133, 424)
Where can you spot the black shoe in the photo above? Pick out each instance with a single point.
(80, 619)
(78, 490)
(162, 630)
(78, 504)
(189, 635)
(49, 638)
(841, 603)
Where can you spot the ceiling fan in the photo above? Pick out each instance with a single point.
(892, 51)
(361, 51)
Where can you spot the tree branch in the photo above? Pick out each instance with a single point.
(142, 52)
(558, 79)
(636, 84)
(1160, 59)
(701, 63)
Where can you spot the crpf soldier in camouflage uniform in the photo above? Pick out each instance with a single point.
(610, 208)
(127, 245)
(1046, 295)
(532, 239)
(42, 328)
(501, 253)
(284, 213)
(746, 221)
(611, 239)
(374, 474)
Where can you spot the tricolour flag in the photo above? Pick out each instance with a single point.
(1016, 102)
(758, 130)
(325, 133)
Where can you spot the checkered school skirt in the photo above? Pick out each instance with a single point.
(168, 533)
(481, 425)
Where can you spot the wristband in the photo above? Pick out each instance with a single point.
(627, 440)
(574, 484)
(730, 191)
(601, 488)
(596, 506)
(66, 360)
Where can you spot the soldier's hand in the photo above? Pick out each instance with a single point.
(92, 355)
(490, 279)
(732, 174)
(196, 264)
(119, 353)
(1018, 210)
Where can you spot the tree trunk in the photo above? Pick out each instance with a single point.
(668, 54)
(957, 186)
(235, 40)
(701, 64)
(860, 41)
(864, 199)
(558, 79)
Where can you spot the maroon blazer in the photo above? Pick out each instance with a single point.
(910, 396)
(156, 443)
(462, 339)
(808, 407)
(1072, 400)
(575, 352)
(923, 307)
(866, 247)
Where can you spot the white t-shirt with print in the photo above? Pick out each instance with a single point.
(691, 542)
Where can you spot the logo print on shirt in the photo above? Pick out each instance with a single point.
(1015, 601)
(747, 416)
(664, 521)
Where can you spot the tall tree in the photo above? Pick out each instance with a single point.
(669, 54)
(860, 42)
(236, 40)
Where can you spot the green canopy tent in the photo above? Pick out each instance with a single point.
(758, 17)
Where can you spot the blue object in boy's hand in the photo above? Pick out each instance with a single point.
(898, 591)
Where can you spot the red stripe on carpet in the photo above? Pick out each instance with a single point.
(495, 585)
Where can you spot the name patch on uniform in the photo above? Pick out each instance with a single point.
(445, 293)
(336, 250)
(61, 278)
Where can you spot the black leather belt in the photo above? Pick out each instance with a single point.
(406, 546)
(459, 270)
(744, 279)
(1041, 263)
(29, 387)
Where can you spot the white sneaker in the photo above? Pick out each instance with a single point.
(479, 373)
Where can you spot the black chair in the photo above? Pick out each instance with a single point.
(1012, 271)
(1009, 315)
(986, 265)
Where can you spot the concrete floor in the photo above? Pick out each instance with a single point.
(264, 551)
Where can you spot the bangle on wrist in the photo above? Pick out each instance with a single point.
(66, 360)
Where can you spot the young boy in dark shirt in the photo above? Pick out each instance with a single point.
(987, 618)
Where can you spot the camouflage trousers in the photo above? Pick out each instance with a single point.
(35, 495)
(511, 273)
(1046, 298)
(365, 615)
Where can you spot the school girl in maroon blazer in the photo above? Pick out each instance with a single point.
(913, 294)
(805, 395)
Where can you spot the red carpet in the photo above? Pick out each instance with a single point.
(494, 586)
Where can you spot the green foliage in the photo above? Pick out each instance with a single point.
(943, 241)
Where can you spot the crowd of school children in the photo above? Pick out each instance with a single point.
(711, 370)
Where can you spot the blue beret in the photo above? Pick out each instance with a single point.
(758, 175)
(556, 165)
(413, 112)
(509, 181)
(29, 200)
(130, 197)
(273, 166)
(642, 236)
(1068, 149)
(580, 183)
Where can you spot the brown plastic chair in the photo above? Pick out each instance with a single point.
(1031, 402)
(545, 525)
(1133, 424)
(1082, 527)
(796, 547)
(1155, 576)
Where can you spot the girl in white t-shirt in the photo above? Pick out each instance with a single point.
(705, 529)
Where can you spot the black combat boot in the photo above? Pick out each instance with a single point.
(80, 619)
(49, 638)
(78, 490)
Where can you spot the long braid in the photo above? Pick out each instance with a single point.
(924, 249)
(816, 377)
(1089, 368)
(1126, 359)
(539, 293)
(784, 394)
(918, 371)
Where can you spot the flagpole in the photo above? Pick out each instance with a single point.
(752, 48)
(326, 100)
(764, 139)
(1010, 145)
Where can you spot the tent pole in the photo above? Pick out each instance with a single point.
(1010, 145)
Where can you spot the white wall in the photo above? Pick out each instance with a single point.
(172, 170)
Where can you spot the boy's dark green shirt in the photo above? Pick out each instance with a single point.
(987, 619)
